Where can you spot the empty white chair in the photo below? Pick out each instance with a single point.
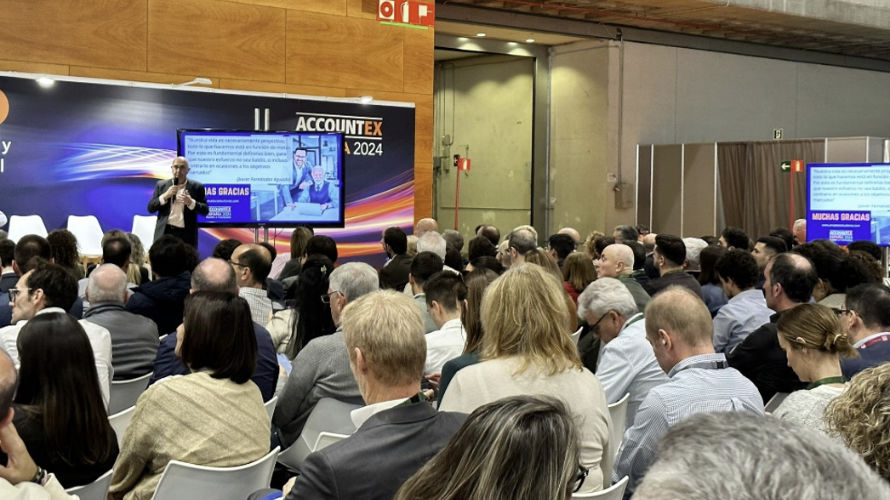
(329, 416)
(97, 490)
(119, 422)
(618, 412)
(270, 406)
(144, 228)
(182, 481)
(124, 393)
(21, 225)
(577, 335)
(88, 232)
(614, 492)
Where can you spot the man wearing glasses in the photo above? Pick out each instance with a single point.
(866, 315)
(178, 201)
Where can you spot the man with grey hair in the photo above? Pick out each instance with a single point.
(626, 363)
(625, 233)
(520, 242)
(432, 241)
(694, 246)
(571, 232)
(722, 455)
(321, 368)
(454, 239)
(617, 261)
(425, 225)
(134, 338)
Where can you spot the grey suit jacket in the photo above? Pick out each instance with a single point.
(382, 454)
(196, 191)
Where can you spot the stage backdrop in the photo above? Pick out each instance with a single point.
(97, 147)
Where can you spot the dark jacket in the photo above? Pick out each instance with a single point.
(196, 191)
(162, 301)
(394, 274)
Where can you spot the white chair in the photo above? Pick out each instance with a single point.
(618, 412)
(577, 335)
(614, 492)
(144, 228)
(89, 234)
(97, 490)
(330, 417)
(21, 225)
(120, 421)
(124, 393)
(182, 481)
(270, 406)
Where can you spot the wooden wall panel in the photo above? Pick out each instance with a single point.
(423, 190)
(103, 33)
(418, 50)
(335, 7)
(223, 39)
(33, 67)
(365, 9)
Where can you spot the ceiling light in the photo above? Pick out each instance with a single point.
(480, 35)
(45, 82)
(529, 40)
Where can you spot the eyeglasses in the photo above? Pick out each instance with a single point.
(326, 298)
(843, 312)
(593, 326)
(579, 479)
(236, 263)
(14, 292)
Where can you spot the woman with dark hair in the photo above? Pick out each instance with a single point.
(59, 412)
(516, 447)
(291, 329)
(214, 416)
(63, 246)
(578, 271)
(711, 289)
(298, 240)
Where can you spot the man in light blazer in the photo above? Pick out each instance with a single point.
(178, 201)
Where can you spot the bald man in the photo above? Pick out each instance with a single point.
(178, 201)
(425, 225)
(252, 263)
(617, 261)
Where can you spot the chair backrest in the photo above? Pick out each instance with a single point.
(97, 490)
(144, 228)
(329, 416)
(124, 393)
(183, 481)
(88, 232)
(576, 336)
(326, 439)
(21, 225)
(270, 406)
(618, 413)
(614, 492)
(120, 421)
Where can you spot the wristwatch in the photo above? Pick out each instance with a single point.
(39, 476)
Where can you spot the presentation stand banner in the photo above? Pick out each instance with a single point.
(98, 147)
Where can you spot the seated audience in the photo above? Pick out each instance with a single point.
(317, 245)
(669, 256)
(618, 261)
(161, 300)
(224, 249)
(299, 238)
(694, 247)
(28, 247)
(516, 447)
(137, 272)
(560, 246)
(63, 246)
(425, 225)
(116, 249)
(423, 266)
(765, 248)
(800, 463)
(527, 350)
(311, 317)
(860, 418)
(520, 242)
(7, 273)
(219, 418)
(59, 412)
(480, 246)
(679, 328)
(394, 274)
(134, 338)
(575, 235)
(866, 317)
(813, 340)
(398, 431)
(734, 238)
(626, 363)
(445, 295)
(785, 234)
(746, 309)
(252, 263)
(578, 271)
(321, 369)
(542, 258)
(712, 293)
(625, 233)
(492, 233)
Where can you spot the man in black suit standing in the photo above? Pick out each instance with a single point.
(178, 201)
(394, 274)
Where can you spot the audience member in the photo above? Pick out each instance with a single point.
(424, 265)
(694, 247)
(161, 300)
(869, 247)
(59, 412)
(733, 237)
(866, 317)
(516, 447)
(800, 463)
(625, 233)
(191, 418)
(136, 271)
(765, 248)
(454, 239)
(813, 340)
(116, 250)
(252, 263)
(453, 260)
(324, 245)
(321, 369)
(63, 247)
(799, 230)
(525, 351)
(746, 309)
(520, 242)
(28, 247)
(299, 238)
(626, 362)
(560, 246)
(542, 258)
(445, 295)
(790, 279)
(432, 241)
(617, 262)
(490, 232)
(785, 234)
(576, 236)
(312, 316)
(590, 244)
(7, 273)
(712, 292)
(480, 246)
(578, 271)
(134, 338)
(224, 249)
(425, 225)
(394, 273)
(669, 256)
(398, 431)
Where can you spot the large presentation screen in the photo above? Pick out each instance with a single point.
(848, 202)
(267, 178)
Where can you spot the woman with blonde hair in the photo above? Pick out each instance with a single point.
(860, 417)
(813, 340)
(542, 258)
(516, 447)
(527, 349)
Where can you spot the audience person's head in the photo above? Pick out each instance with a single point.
(869, 247)
(578, 270)
(707, 261)
(423, 266)
(46, 285)
(543, 258)
(384, 336)
(395, 241)
(314, 317)
(737, 272)
(834, 269)
(299, 238)
(223, 250)
(453, 258)
(453, 239)
(606, 305)
(445, 295)
(576, 236)
(639, 254)
(424, 226)
(789, 281)
(801, 463)
(485, 262)
(63, 247)
(432, 241)
(516, 447)
(504, 256)
(616, 260)
(58, 382)
(590, 244)
(694, 248)
(8, 386)
(273, 252)
(476, 281)
(678, 325)
(765, 248)
(799, 230)
(214, 275)
(137, 249)
(107, 284)
(252, 263)
(733, 237)
(600, 244)
(561, 246)
(670, 253)
(217, 335)
(649, 242)
(860, 417)
(867, 264)
(866, 310)
(349, 282)
(28, 247)
(117, 250)
(7, 254)
(168, 256)
(489, 232)
(520, 314)
(324, 245)
(481, 246)
(520, 242)
(812, 337)
(625, 233)
(785, 234)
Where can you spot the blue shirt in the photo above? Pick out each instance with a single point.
(699, 384)
(743, 314)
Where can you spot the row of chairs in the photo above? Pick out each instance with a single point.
(86, 229)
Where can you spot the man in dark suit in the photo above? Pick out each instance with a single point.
(394, 274)
(178, 201)
(8, 278)
(398, 430)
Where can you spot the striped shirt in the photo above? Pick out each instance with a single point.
(259, 302)
(699, 384)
